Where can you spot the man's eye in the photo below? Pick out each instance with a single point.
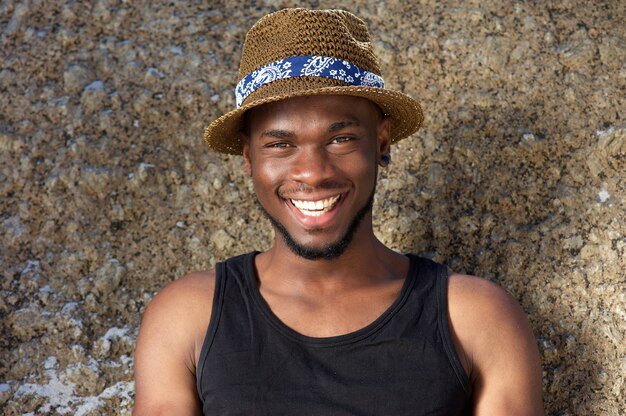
(277, 145)
(342, 139)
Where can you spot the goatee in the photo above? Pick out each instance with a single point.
(329, 252)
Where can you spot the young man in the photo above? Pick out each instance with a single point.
(329, 320)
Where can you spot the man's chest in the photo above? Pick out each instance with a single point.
(330, 315)
(380, 376)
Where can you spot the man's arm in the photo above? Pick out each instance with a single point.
(168, 346)
(498, 347)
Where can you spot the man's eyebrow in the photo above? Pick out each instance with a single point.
(340, 125)
(279, 134)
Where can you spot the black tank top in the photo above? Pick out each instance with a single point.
(403, 363)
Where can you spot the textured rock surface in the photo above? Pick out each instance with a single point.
(107, 191)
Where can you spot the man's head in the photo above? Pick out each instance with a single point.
(317, 121)
(313, 161)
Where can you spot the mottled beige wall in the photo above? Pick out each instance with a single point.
(107, 191)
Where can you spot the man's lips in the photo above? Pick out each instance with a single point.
(314, 207)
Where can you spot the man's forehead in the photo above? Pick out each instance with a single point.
(343, 106)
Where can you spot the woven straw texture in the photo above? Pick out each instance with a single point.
(300, 32)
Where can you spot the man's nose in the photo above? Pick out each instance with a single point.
(313, 166)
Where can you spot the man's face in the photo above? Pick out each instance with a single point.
(313, 161)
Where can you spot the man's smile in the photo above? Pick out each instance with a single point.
(316, 211)
(315, 208)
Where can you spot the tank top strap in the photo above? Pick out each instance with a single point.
(431, 288)
(232, 271)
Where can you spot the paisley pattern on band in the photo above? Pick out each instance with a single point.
(306, 66)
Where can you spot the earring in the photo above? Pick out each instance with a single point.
(385, 159)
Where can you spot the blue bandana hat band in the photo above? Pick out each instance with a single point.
(306, 66)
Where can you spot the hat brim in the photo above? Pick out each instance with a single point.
(224, 134)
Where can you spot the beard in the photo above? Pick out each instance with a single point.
(327, 252)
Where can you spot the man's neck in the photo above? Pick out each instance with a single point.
(365, 261)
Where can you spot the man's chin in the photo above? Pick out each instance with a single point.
(325, 252)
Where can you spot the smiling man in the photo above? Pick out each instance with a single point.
(328, 320)
(326, 184)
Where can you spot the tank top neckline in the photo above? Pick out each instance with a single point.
(337, 340)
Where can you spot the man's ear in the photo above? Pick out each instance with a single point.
(246, 154)
(384, 136)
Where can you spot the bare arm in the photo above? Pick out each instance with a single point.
(498, 348)
(168, 347)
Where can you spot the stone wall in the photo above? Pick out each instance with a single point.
(107, 191)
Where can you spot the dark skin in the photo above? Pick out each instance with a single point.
(321, 299)
(324, 150)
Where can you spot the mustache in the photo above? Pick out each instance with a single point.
(307, 189)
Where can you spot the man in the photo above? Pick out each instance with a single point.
(328, 320)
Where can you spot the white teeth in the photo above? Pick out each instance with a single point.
(315, 208)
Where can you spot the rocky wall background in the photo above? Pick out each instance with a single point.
(107, 191)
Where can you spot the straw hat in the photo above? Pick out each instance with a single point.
(296, 52)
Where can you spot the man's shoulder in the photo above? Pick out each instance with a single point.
(498, 346)
(189, 294)
(169, 342)
(477, 301)
(487, 322)
(472, 291)
(192, 284)
(480, 308)
(183, 306)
